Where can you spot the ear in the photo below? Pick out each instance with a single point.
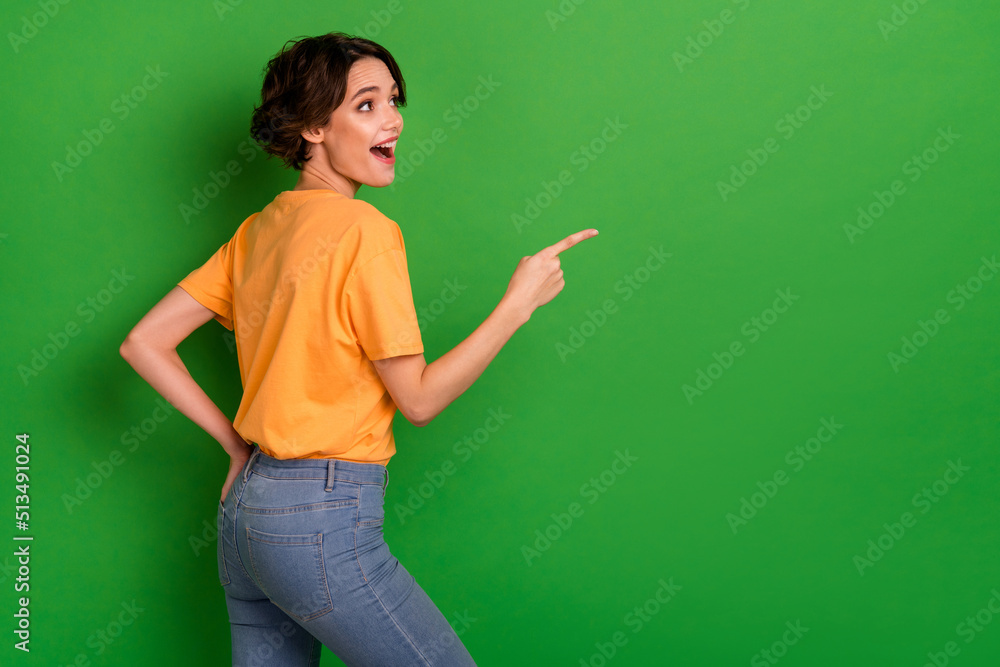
(314, 135)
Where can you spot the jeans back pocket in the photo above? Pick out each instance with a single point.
(291, 571)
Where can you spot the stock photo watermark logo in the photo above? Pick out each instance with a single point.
(797, 458)
(218, 181)
(460, 624)
(779, 649)
(968, 630)
(249, 322)
(133, 438)
(463, 450)
(250, 317)
(696, 44)
(37, 21)
(122, 106)
(899, 16)
(268, 642)
(7, 569)
(926, 330)
(224, 7)
(454, 116)
(380, 20)
(22, 616)
(427, 314)
(206, 538)
(263, 654)
(562, 12)
(629, 284)
(924, 500)
(275, 639)
(436, 307)
(102, 639)
(88, 310)
(787, 125)
(591, 491)
(581, 158)
(914, 168)
(752, 329)
(635, 620)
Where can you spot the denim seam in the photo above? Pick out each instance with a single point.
(296, 509)
(391, 616)
(236, 510)
(359, 523)
(320, 565)
(262, 474)
(339, 478)
(222, 542)
(249, 463)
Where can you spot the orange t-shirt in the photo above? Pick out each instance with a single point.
(314, 287)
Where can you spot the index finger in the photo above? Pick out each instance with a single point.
(570, 241)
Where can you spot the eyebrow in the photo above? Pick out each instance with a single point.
(371, 89)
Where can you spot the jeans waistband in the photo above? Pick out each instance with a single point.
(329, 469)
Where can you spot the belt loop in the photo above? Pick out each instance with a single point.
(330, 467)
(249, 463)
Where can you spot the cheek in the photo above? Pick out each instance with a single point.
(348, 150)
(357, 140)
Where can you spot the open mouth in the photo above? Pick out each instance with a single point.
(385, 151)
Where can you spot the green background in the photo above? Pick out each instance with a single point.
(143, 535)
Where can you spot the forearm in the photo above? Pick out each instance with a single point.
(166, 373)
(448, 377)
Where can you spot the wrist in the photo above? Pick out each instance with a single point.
(513, 312)
(237, 447)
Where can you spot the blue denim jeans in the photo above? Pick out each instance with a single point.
(303, 563)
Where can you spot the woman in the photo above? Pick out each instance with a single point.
(317, 292)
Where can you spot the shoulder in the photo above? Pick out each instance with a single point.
(370, 220)
(239, 238)
(370, 229)
(245, 226)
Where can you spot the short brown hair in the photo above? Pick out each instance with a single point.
(303, 84)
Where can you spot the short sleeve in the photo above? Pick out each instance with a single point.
(380, 305)
(211, 284)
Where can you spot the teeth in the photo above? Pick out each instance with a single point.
(388, 144)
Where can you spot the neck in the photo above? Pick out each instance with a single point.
(311, 178)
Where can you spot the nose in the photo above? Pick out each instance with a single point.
(393, 120)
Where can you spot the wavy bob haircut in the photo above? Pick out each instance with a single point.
(303, 85)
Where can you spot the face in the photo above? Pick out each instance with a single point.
(343, 152)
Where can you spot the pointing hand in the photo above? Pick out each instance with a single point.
(538, 278)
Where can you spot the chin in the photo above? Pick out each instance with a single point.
(382, 182)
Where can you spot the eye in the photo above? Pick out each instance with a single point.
(368, 103)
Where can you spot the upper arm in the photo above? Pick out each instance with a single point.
(170, 321)
(401, 376)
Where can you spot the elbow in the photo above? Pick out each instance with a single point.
(126, 348)
(131, 346)
(419, 416)
(417, 419)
